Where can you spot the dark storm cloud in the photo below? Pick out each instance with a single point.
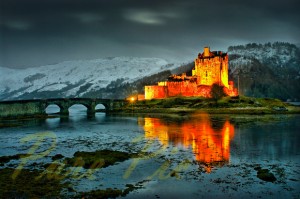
(35, 32)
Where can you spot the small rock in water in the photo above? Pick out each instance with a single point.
(174, 174)
(266, 175)
(281, 108)
(57, 157)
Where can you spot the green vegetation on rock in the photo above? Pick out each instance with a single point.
(109, 193)
(97, 159)
(266, 175)
(25, 185)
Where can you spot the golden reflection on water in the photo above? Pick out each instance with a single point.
(209, 140)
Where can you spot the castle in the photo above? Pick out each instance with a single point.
(210, 68)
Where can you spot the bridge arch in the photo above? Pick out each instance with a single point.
(77, 108)
(62, 106)
(52, 109)
(90, 104)
(78, 103)
(101, 107)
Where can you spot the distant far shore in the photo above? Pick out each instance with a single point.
(294, 103)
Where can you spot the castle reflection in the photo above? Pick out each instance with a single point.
(208, 138)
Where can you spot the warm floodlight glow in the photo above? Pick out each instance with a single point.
(210, 145)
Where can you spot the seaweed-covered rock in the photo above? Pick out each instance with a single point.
(27, 185)
(266, 175)
(97, 159)
(57, 157)
(5, 159)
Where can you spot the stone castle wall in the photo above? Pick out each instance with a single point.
(173, 89)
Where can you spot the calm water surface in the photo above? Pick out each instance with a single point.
(196, 156)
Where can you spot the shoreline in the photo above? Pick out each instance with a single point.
(236, 110)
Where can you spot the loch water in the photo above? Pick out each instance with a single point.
(184, 156)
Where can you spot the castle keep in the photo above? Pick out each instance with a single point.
(210, 68)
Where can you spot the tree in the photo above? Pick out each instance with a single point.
(217, 92)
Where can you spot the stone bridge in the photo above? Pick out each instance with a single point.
(38, 106)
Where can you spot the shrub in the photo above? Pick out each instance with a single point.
(217, 92)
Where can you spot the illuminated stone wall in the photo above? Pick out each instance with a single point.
(155, 92)
(173, 89)
(183, 88)
(231, 91)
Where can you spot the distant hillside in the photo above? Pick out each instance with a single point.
(266, 70)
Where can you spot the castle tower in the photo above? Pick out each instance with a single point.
(211, 67)
(206, 52)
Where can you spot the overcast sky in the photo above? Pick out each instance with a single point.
(40, 32)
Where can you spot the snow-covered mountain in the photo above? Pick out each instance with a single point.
(75, 78)
(279, 55)
(266, 70)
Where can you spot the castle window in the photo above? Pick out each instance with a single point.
(206, 73)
